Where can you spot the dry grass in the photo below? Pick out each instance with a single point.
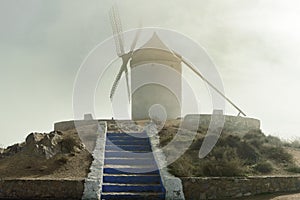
(234, 155)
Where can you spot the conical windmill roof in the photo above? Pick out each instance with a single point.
(154, 51)
(155, 42)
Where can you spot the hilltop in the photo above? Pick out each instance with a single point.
(61, 154)
(236, 153)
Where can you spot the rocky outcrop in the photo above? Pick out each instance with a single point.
(46, 145)
(53, 143)
(11, 150)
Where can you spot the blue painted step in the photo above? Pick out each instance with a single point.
(126, 137)
(132, 142)
(129, 171)
(127, 161)
(134, 135)
(138, 179)
(114, 196)
(126, 154)
(128, 148)
(133, 169)
(132, 188)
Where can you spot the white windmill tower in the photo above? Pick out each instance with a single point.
(161, 71)
(152, 55)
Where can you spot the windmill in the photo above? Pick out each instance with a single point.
(152, 52)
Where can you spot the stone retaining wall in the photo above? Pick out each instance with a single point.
(41, 188)
(67, 125)
(172, 184)
(223, 188)
(93, 183)
(237, 123)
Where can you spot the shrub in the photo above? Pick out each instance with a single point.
(68, 144)
(223, 161)
(293, 169)
(254, 134)
(274, 140)
(244, 150)
(256, 138)
(184, 166)
(248, 153)
(223, 168)
(164, 140)
(231, 141)
(263, 167)
(293, 144)
(277, 154)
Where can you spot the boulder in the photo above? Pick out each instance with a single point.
(33, 138)
(11, 150)
(46, 145)
(43, 144)
(49, 145)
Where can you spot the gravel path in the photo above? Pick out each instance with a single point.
(276, 197)
(287, 197)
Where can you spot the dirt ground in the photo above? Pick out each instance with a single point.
(296, 154)
(28, 164)
(295, 196)
(275, 197)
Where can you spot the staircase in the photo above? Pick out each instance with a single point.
(128, 176)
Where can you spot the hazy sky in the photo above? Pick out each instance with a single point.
(254, 43)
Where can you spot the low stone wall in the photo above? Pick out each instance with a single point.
(41, 188)
(172, 184)
(67, 125)
(93, 183)
(231, 122)
(223, 188)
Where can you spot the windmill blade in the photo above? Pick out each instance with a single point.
(116, 82)
(116, 25)
(211, 139)
(127, 84)
(137, 35)
(211, 85)
(125, 58)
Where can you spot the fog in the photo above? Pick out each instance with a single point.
(254, 44)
